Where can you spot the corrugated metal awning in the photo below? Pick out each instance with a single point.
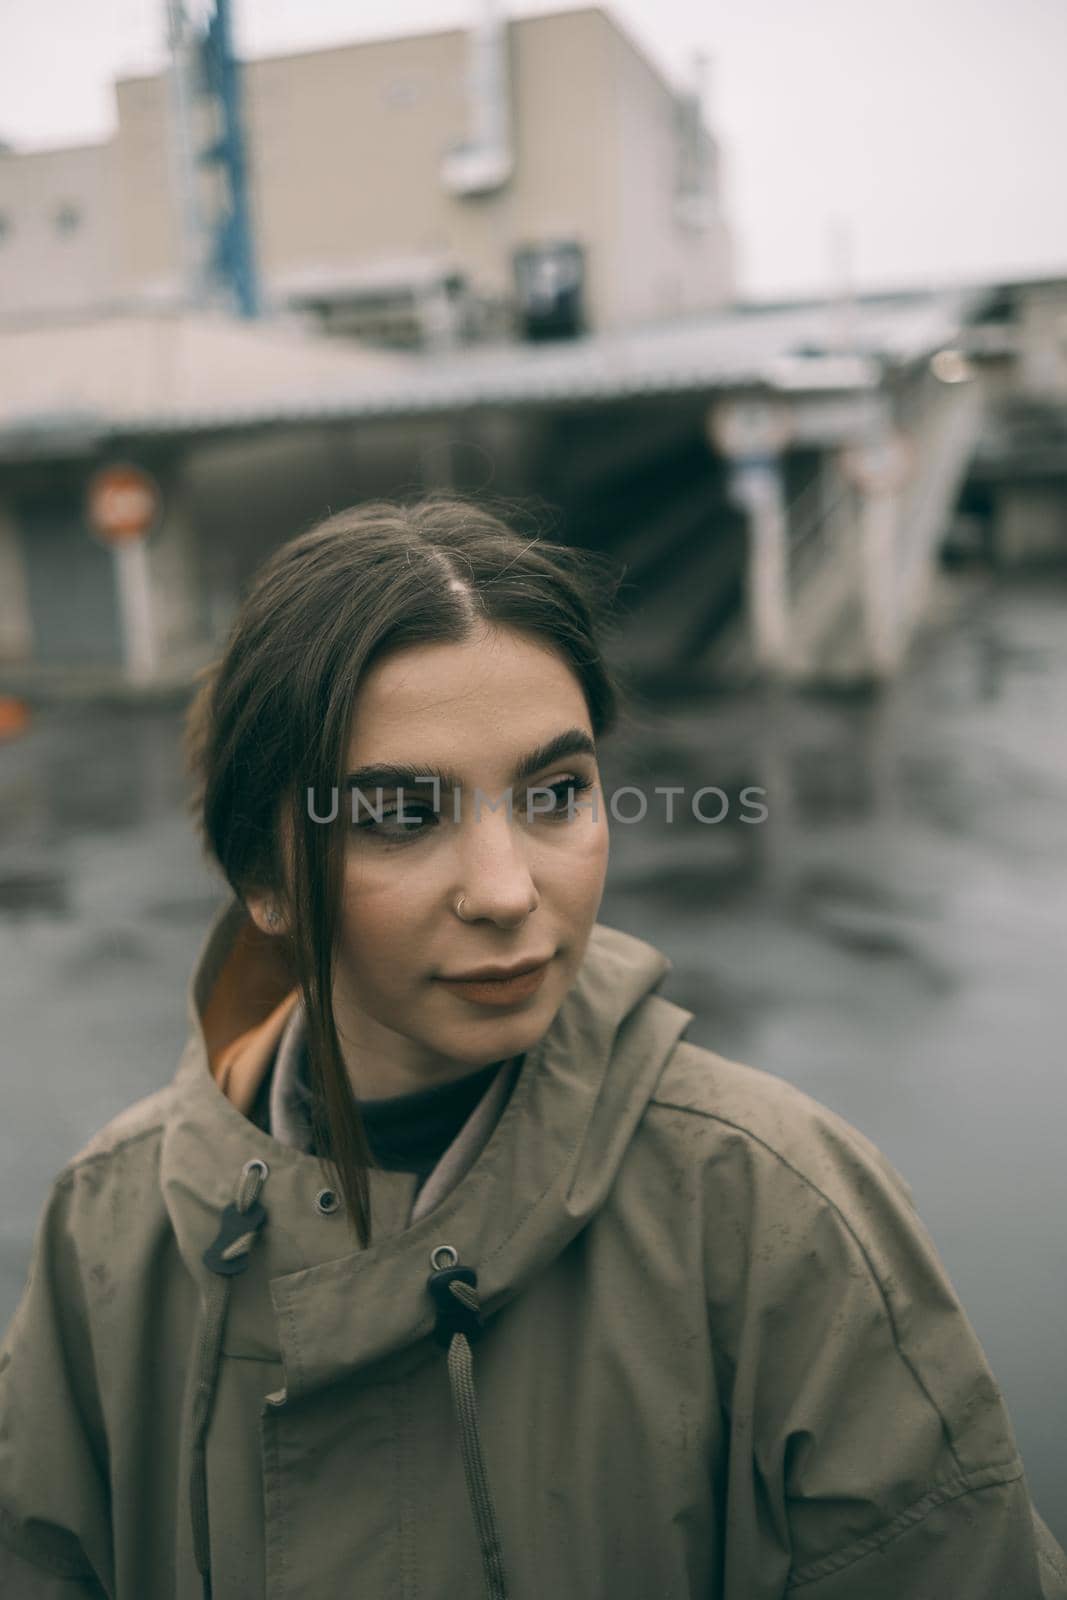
(184, 373)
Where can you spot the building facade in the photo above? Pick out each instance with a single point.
(369, 199)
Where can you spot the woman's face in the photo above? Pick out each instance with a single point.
(482, 714)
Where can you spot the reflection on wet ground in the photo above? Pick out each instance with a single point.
(891, 938)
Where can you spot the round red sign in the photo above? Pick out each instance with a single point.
(123, 503)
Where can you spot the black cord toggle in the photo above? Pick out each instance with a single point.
(452, 1315)
(233, 1224)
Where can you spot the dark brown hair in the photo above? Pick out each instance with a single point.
(272, 717)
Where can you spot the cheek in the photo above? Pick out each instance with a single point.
(384, 908)
(577, 872)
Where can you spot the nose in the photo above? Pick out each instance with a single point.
(495, 878)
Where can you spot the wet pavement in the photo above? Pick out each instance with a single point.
(892, 939)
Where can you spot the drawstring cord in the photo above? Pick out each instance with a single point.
(226, 1256)
(459, 1321)
(454, 1289)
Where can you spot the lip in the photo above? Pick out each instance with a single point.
(498, 974)
(499, 991)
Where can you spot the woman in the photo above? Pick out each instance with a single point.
(446, 1266)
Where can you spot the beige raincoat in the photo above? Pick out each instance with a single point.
(704, 1348)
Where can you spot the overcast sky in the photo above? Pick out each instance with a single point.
(936, 128)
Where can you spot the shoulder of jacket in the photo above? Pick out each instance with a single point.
(105, 1205)
(773, 1124)
(134, 1132)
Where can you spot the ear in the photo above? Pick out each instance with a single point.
(262, 908)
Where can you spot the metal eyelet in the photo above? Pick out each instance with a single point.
(257, 1161)
(327, 1201)
(436, 1251)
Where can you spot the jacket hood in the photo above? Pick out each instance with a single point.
(548, 1165)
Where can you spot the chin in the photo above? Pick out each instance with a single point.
(494, 1038)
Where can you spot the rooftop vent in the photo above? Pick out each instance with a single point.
(484, 162)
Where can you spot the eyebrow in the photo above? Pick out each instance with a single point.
(399, 775)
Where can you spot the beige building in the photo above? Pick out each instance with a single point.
(57, 230)
(394, 181)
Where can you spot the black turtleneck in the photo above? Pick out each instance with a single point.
(411, 1132)
(406, 1132)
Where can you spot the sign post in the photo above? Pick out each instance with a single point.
(123, 505)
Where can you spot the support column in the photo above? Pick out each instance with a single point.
(751, 433)
(756, 485)
(879, 468)
(881, 612)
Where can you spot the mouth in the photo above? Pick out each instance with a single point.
(498, 974)
(518, 984)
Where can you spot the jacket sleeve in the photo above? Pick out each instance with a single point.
(871, 1450)
(55, 1535)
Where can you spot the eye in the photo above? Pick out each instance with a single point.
(397, 822)
(566, 792)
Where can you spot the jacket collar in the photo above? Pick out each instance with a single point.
(545, 1170)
